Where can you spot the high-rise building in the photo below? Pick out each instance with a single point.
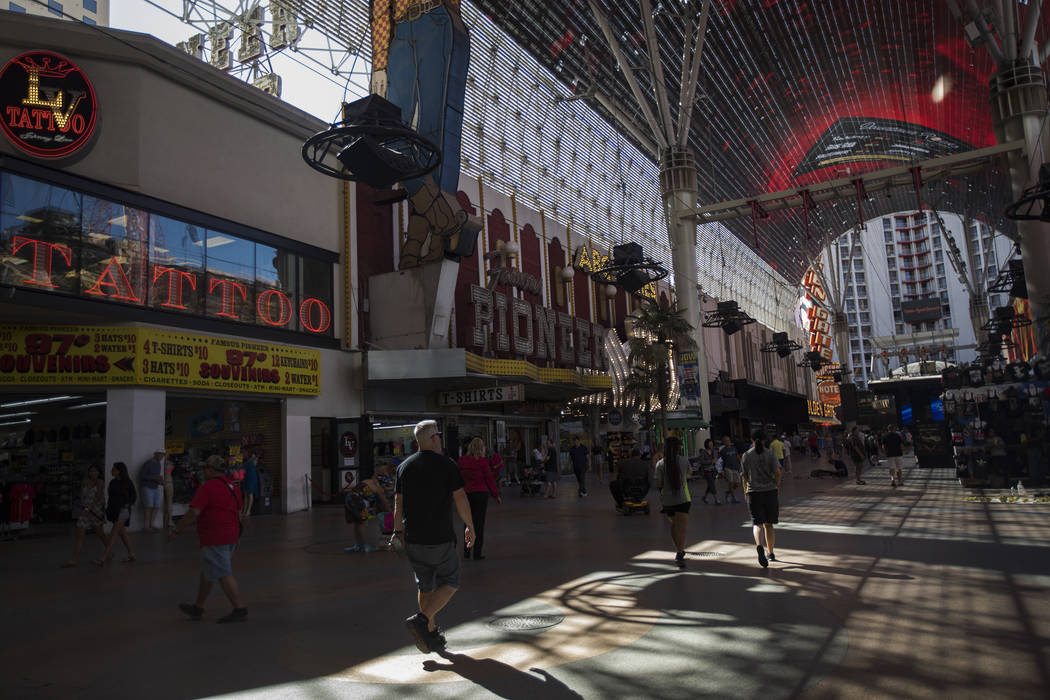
(86, 11)
(904, 258)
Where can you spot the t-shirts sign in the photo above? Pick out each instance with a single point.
(493, 394)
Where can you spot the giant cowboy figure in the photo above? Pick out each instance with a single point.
(420, 51)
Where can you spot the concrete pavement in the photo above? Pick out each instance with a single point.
(877, 593)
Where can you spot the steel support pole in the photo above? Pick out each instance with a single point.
(678, 186)
(1019, 111)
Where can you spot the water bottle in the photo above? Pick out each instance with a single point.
(1021, 490)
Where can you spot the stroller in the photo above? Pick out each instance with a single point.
(635, 489)
(531, 481)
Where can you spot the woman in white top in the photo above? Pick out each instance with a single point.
(670, 476)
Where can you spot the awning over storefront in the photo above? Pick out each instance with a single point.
(456, 369)
(769, 404)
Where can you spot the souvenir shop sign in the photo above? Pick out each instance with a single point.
(94, 355)
(492, 394)
(229, 364)
(67, 355)
(47, 104)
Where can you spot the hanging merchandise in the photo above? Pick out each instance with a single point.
(1000, 424)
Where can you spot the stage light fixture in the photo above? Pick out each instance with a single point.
(371, 145)
(727, 316)
(1011, 280)
(629, 269)
(781, 345)
(1034, 204)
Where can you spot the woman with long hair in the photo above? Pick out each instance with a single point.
(670, 474)
(92, 514)
(479, 484)
(707, 460)
(761, 473)
(118, 511)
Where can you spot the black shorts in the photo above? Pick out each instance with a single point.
(676, 508)
(764, 507)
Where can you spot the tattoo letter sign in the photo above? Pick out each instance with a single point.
(47, 105)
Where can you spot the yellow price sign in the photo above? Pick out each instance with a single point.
(88, 355)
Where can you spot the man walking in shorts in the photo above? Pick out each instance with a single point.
(425, 488)
(893, 444)
(216, 508)
(761, 473)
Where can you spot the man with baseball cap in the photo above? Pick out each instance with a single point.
(216, 508)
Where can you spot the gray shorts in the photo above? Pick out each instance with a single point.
(217, 561)
(434, 565)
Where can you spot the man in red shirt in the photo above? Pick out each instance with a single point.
(216, 508)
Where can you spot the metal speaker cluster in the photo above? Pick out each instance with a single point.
(1011, 280)
(781, 345)
(371, 145)
(1033, 204)
(814, 361)
(994, 346)
(629, 269)
(727, 316)
(1004, 320)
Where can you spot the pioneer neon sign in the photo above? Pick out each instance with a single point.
(169, 287)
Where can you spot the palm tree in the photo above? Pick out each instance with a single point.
(641, 387)
(658, 330)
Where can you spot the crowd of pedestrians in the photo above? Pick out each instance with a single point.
(415, 503)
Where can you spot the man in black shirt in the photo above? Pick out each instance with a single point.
(580, 456)
(893, 444)
(426, 487)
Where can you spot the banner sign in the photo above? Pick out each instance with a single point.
(688, 380)
(921, 310)
(495, 394)
(93, 355)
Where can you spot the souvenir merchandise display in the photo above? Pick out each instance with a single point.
(999, 418)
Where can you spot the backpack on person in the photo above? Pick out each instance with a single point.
(132, 494)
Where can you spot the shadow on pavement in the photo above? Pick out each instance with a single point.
(502, 680)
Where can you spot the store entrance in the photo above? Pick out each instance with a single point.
(197, 427)
(47, 442)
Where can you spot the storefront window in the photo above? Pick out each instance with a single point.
(54, 239)
(275, 285)
(177, 260)
(230, 291)
(315, 311)
(39, 235)
(114, 247)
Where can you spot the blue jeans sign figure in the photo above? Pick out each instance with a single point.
(421, 50)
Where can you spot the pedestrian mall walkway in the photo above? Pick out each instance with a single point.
(877, 592)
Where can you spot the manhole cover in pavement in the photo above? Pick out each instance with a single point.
(709, 555)
(526, 623)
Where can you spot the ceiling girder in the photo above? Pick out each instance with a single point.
(845, 188)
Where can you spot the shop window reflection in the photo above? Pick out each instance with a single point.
(176, 265)
(39, 235)
(114, 247)
(276, 273)
(316, 283)
(230, 291)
